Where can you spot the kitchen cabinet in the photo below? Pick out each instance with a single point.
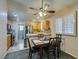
(36, 26)
(46, 25)
(9, 41)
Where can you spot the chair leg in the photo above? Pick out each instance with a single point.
(30, 55)
(58, 52)
(48, 54)
(41, 53)
(54, 52)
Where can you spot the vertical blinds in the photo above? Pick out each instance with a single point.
(69, 24)
(66, 25)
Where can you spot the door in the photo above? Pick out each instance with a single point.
(21, 32)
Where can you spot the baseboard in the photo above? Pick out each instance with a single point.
(4, 55)
(70, 55)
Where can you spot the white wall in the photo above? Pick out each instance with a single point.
(3, 31)
(69, 43)
(15, 28)
(10, 22)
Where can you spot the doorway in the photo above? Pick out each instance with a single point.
(21, 32)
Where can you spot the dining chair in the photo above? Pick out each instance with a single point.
(59, 36)
(53, 47)
(32, 49)
(41, 36)
(50, 48)
(58, 50)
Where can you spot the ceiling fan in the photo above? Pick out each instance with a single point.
(43, 10)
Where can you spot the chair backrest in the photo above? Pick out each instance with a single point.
(59, 35)
(41, 35)
(54, 42)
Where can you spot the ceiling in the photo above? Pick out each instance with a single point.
(20, 8)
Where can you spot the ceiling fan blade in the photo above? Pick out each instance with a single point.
(35, 14)
(33, 8)
(51, 11)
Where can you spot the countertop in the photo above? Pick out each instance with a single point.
(36, 34)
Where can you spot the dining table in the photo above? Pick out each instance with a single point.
(40, 44)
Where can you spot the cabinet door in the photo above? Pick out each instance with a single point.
(36, 26)
(8, 42)
(46, 25)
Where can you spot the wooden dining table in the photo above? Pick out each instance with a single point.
(40, 44)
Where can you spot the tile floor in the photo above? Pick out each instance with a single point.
(18, 51)
(23, 54)
(17, 47)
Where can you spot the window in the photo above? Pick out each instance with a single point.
(66, 25)
(21, 27)
(69, 24)
(59, 25)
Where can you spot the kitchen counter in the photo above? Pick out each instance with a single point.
(36, 34)
(8, 34)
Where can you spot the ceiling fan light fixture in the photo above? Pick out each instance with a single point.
(41, 14)
(45, 14)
